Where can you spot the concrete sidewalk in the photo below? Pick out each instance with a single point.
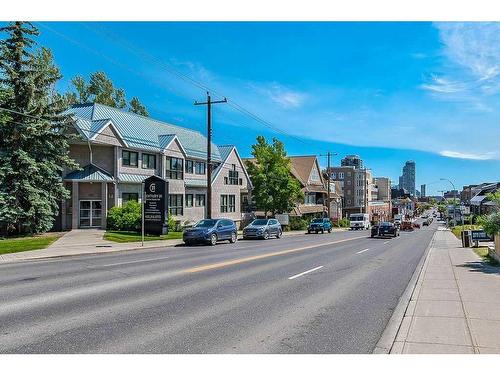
(90, 241)
(455, 306)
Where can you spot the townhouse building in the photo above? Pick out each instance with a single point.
(116, 150)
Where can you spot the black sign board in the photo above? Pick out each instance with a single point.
(155, 205)
(480, 235)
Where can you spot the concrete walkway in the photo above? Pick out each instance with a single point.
(90, 241)
(455, 306)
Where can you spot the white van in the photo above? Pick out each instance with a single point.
(359, 221)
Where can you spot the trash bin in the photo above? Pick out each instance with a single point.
(466, 238)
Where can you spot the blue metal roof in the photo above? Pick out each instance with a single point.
(90, 172)
(132, 178)
(139, 131)
(192, 182)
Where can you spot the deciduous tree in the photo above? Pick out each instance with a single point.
(275, 190)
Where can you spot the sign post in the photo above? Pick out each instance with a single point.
(155, 206)
(142, 214)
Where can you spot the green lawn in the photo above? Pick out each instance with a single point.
(117, 236)
(484, 253)
(15, 245)
(457, 230)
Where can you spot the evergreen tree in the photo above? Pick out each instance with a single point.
(275, 190)
(100, 89)
(33, 147)
(137, 107)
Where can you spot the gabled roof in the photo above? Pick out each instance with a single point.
(302, 167)
(90, 172)
(225, 151)
(139, 131)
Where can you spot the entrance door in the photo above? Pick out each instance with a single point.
(90, 213)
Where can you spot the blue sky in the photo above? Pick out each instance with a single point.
(389, 92)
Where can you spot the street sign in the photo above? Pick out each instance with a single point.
(480, 235)
(282, 218)
(155, 205)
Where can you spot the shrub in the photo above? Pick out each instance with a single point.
(343, 223)
(126, 218)
(297, 223)
(172, 225)
(490, 223)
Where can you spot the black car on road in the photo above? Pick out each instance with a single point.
(385, 229)
(263, 228)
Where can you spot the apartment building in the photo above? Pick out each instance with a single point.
(117, 150)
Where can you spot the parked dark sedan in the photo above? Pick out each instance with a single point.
(385, 229)
(210, 231)
(263, 228)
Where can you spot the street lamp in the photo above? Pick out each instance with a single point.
(454, 203)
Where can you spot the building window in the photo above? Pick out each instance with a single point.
(174, 168)
(130, 197)
(341, 175)
(310, 198)
(200, 200)
(233, 178)
(189, 200)
(129, 158)
(148, 161)
(200, 167)
(189, 166)
(315, 175)
(175, 205)
(227, 203)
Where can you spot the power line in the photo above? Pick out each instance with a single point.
(143, 54)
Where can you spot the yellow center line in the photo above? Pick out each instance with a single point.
(232, 262)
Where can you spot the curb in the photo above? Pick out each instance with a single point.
(386, 341)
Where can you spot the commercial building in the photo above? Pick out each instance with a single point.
(356, 184)
(422, 191)
(407, 179)
(383, 186)
(352, 161)
(117, 150)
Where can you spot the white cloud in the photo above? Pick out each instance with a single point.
(472, 51)
(279, 94)
(467, 155)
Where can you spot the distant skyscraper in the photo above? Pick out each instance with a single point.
(407, 179)
(422, 191)
(352, 161)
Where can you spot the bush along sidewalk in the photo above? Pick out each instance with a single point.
(124, 225)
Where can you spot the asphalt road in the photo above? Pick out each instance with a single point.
(330, 293)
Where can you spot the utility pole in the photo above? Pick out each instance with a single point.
(209, 103)
(329, 155)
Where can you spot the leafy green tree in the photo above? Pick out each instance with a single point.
(33, 149)
(275, 189)
(100, 89)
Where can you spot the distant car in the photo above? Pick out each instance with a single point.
(263, 228)
(320, 225)
(428, 221)
(385, 229)
(211, 231)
